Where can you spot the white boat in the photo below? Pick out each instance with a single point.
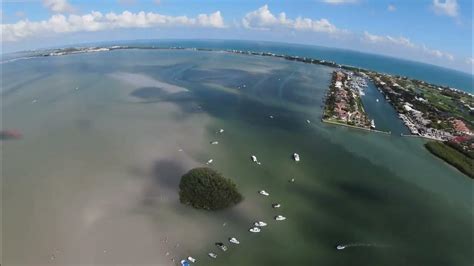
(340, 247)
(372, 124)
(292, 180)
(260, 224)
(296, 157)
(234, 240)
(276, 205)
(307, 121)
(215, 142)
(377, 100)
(191, 259)
(221, 130)
(212, 255)
(221, 246)
(280, 218)
(271, 116)
(210, 161)
(254, 158)
(264, 193)
(254, 230)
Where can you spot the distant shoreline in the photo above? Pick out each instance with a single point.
(160, 46)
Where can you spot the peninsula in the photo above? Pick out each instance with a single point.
(343, 104)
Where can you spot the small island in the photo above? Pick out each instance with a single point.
(205, 188)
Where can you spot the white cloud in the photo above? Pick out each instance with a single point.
(446, 7)
(339, 2)
(263, 19)
(403, 42)
(58, 6)
(437, 53)
(392, 8)
(470, 61)
(157, 2)
(96, 21)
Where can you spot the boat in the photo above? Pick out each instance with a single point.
(377, 100)
(221, 246)
(254, 158)
(307, 121)
(254, 230)
(296, 157)
(292, 180)
(212, 255)
(215, 142)
(210, 161)
(264, 193)
(276, 205)
(271, 117)
(340, 247)
(184, 263)
(372, 124)
(191, 259)
(280, 218)
(234, 240)
(221, 130)
(260, 224)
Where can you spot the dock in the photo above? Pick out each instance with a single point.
(355, 127)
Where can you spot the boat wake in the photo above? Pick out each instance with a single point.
(374, 245)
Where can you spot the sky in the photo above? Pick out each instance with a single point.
(438, 32)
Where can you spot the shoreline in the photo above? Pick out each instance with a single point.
(418, 136)
(355, 127)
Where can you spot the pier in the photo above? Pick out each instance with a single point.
(356, 127)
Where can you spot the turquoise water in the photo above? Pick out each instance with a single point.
(95, 178)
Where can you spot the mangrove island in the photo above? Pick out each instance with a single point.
(205, 188)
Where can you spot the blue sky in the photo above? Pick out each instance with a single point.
(439, 32)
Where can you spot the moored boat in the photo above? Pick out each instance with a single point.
(254, 230)
(260, 224)
(221, 246)
(280, 218)
(296, 157)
